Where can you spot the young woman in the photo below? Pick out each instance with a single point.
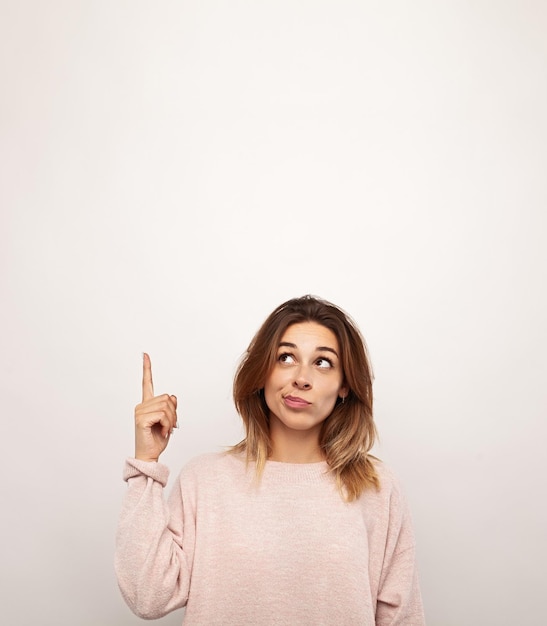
(295, 525)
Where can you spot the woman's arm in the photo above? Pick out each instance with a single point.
(150, 563)
(399, 601)
(152, 568)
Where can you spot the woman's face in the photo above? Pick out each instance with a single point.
(306, 380)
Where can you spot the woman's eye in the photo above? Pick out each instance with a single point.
(286, 358)
(324, 363)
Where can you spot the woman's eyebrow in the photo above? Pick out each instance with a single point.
(287, 344)
(326, 349)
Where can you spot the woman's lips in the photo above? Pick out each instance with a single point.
(295, 403)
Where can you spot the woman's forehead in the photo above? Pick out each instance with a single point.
(310, 333)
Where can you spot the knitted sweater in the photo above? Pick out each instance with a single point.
(284, 551)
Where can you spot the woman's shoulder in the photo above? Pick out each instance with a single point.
(390, 483)
(212, 464)
(390, 495)
(383, 470)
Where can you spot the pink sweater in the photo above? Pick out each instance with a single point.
(286, 551)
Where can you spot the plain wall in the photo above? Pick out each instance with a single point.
(172, 171)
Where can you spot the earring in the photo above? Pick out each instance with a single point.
(343, 399)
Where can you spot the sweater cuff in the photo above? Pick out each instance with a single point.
(156, 471)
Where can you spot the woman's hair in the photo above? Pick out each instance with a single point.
(348, 433)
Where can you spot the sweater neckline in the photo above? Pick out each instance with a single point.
(279, 470)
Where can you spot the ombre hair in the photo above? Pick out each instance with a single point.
(348, 433)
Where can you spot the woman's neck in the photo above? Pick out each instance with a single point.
(295, 447)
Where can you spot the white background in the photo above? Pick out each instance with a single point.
(172, 171)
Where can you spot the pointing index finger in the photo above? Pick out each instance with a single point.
(147, 384)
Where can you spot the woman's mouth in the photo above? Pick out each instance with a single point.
(295, 403)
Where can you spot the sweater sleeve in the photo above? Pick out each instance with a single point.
(152, 566)
(399, 601)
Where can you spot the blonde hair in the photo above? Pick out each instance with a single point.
(349, 432)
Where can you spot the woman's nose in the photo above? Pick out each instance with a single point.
(302, 379)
